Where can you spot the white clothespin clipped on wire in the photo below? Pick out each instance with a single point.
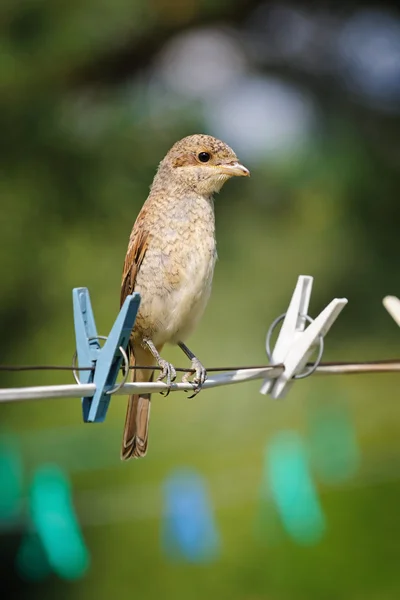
(392, 305)
(295, 344)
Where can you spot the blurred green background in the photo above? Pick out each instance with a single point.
(93, 94)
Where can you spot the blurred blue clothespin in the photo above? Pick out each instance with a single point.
(295, 343)
(107, 360)
(189, 530)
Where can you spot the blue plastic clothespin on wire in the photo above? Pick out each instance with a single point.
(106, 360)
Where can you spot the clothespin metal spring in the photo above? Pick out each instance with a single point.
(125, 368)
(311, 369)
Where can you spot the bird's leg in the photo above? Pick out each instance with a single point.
(201, 373)
(167, 370)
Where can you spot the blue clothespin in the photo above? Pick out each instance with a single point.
(189, 530)
(107, 360)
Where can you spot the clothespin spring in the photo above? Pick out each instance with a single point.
(125, 369)
(311, 369)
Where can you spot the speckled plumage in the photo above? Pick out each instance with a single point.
(170, 260)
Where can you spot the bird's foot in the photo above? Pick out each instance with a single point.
(168, 373)
(199, 378)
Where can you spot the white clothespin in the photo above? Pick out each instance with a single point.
(392, 305)
(295, 344)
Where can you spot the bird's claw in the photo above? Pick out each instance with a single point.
(168, 373)
(199, 379)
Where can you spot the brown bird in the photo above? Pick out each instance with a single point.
(170, 262)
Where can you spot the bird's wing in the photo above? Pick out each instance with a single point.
(134, 257)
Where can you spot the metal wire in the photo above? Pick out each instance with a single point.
(16, 368)
(372, 366)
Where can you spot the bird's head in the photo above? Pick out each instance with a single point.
(202, 163)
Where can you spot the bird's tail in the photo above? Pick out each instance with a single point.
(136, 429)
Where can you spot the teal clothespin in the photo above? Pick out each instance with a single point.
(288, 477)
(107, 360)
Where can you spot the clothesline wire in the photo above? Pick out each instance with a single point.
(373, 365)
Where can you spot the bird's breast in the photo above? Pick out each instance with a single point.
(176, 275)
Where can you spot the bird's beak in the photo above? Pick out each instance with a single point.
(234, 169)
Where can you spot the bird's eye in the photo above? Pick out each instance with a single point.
(204, 157)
